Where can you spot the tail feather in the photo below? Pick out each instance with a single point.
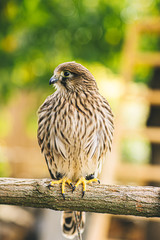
(71, 221)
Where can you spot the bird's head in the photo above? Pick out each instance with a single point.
(73, 76)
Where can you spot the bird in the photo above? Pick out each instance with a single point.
(75, 132)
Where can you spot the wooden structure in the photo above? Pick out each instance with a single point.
(115, 170)
(27, 161)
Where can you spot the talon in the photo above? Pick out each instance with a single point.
(83, 193)
(71, 185)
(63, 181)
(73, 188)
(84, 182)
(63, 196)
(98, 181)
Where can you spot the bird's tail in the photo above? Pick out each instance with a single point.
(73, 224)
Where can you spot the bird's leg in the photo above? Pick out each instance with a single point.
(84, 182)
(63, 181)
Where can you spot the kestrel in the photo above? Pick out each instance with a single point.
(75, 130)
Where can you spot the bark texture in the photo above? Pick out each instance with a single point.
(114, 199)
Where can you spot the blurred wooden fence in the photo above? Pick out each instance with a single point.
(27, 161)
(115, 170)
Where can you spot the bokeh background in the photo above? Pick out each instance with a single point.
(118, 41)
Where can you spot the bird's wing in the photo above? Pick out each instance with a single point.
(99, 135)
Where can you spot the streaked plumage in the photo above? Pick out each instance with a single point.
(69, 223)
(75, 126)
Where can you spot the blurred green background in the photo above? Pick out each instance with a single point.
(36, 36)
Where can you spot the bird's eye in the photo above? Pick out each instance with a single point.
(66, 73)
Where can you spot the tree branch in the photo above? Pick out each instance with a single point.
(114, 199)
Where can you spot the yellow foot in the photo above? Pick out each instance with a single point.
(84, 182)
(63, 181)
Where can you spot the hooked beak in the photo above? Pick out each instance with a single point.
(53, 80)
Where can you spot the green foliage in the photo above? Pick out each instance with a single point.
(135, 151)
(143, 74)
(37, 35)
(4, 165)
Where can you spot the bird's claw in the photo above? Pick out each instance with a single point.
(63, 195)
(84, 182)
(83, 193)
(63, 181)
(73, 188)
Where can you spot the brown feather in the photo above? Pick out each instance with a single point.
(75, 126)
